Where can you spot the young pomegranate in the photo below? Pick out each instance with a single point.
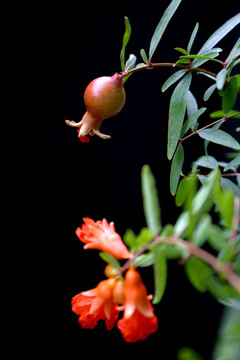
(104, 97)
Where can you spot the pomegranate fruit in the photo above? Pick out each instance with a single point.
(104, 97)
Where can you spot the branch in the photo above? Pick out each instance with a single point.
(221, 268)
(172, 65)
(225, 118)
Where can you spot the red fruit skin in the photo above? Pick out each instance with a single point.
(105, 96)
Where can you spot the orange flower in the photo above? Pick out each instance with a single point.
(138, 320)
(96, 304)
(102, 236)
(137, 327)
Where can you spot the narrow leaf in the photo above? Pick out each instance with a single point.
(220, 114)
(160, 275)
(176, 169)
(192, 105)
(207, 161)
(221, 77)
(234, 52)
(185, 189)
(172, 79)
(191, 121)
(203, 201)
(220, 33)
(169, 12)
(110, 259)
(233, 164)
(228, 184)
(198, 272)
(192, 38)
(130, 62)
(181, 50)
(177, 109)
(144, 55)
(126, 38)
(230, 95)
(200, 234)
(208, 55)
(150, 200)
(221, 137)
(209, 92)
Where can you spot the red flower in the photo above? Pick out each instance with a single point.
(102, 236)
(96, 304)
(138, 320)
(137, 327)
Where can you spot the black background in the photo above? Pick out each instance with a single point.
(66, 44)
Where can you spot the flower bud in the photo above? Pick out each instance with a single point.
(109, 271)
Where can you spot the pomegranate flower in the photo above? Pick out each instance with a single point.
(138, 321)
(96, 304)
(101, 235)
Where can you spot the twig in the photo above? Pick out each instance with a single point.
(221, 268)
(172, 65)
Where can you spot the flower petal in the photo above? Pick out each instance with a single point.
(137, 327)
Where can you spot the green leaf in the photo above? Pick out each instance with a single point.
(187, 353)
(207, 161)
(225, 204)
(135, 242)
(228, 184)
(198, 273)
(129, 238)
(203, 200)
(220, 114)
(126, 38)
(230, 95)
(221, 77)
(177, 109)
(192, 120)
(144, 55)
(185, 189)
(233, 53)
(221, 137)
(110, 259)
(209, 92)
(233, 164)
(172, 79)
(220, 33)
(216, 238)
(182, 223)
(176, 169)
(144, 260)
(162, 26)
(227, 346)
(211, 55)
(205, 56)
(130, 62)
(160, 274)
(192, 105)
(200, 234)
(151, 204)
(181, 50)
(192, 38)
